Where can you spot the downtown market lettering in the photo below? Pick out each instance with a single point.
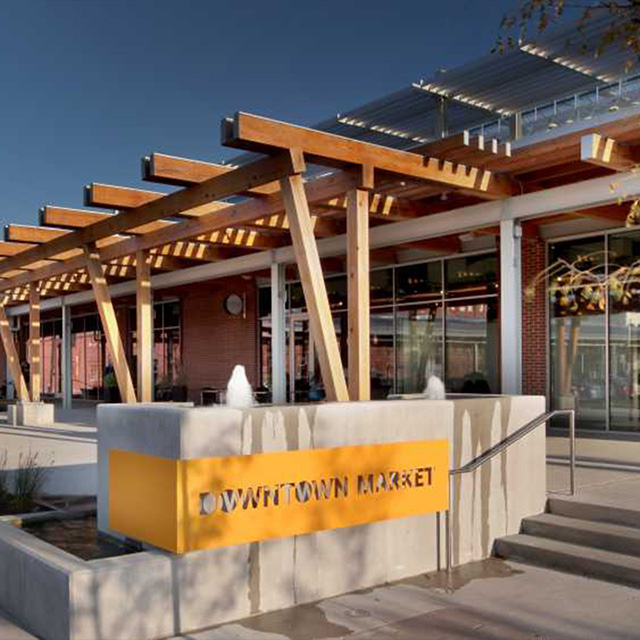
(317, 490)
(206, 503)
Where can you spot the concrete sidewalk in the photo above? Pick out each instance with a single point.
(490, 600)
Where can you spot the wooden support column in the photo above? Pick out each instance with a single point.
(144, 328)
(315, 292)
(13, 362)
(109, 324)
(358, 293)
(35, 343)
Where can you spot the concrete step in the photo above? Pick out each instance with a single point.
(578, 559)
(601, 535)
(594, 512)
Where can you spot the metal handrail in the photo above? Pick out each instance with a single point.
(499, 448)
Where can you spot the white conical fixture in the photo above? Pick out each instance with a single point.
(435, 389)
(239, 392)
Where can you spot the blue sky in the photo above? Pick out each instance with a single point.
(87, 87)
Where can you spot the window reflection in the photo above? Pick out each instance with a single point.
(578, 329)
(381, 352)
(471, 276)
(419, 346)
(472, 347)
(407, 329)
(624, 332)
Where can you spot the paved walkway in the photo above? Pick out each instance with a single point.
(491, 600)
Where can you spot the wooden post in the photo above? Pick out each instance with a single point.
(315, 292)
(109, 324)
(144, 328)
(13, 362)
(35, 343)
(358, 283)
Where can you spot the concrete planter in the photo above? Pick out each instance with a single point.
(30, 414)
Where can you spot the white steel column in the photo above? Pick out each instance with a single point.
(278, 335)
(510, 306)
(67, 371)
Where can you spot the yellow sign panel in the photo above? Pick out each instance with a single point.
(188, 505)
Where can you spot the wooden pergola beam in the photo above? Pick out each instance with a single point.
(227, 184)
(465, 147)
(607, 152)
(237, 214)
(254, 133)
(31, 234)
(80, 218)
(109, 324)
(315, 292)
(181, 172)
(13, 362)
(114, 197)
(381, 206)
(11, 248)
(107, 196)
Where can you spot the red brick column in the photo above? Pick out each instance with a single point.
(534, 318)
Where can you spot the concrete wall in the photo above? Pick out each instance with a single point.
(492, 501)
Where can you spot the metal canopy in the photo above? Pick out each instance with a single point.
(492, 87)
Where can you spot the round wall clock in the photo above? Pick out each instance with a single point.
(233, 304)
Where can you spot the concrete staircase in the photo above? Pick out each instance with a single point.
(587, 539)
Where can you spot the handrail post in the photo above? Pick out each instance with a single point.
(572, 451)
(448, 532)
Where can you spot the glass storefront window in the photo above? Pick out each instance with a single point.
(472, 347)
(337, 292)
(471, 276)
(419, 333)
(407, 329)
(87, 357)
(264, 302)
(419, 282)
(166, 346)
(577, 306)
(381, 354)
(381, 287)
(624, 332)
(51, 357)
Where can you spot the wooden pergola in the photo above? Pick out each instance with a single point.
(274, 206)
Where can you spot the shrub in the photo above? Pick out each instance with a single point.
(29, 479)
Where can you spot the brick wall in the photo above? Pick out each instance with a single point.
(213, 341)
(534, 319)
